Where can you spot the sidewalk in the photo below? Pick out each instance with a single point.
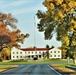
(71, 67)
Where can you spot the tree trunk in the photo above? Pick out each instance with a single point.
(67, 60)
(74, 61)
(0, 57)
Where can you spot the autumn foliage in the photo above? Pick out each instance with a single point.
(59, 20)
(10, 36)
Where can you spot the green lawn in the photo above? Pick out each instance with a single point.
(34, 62)
(61, 63)
(4, 66)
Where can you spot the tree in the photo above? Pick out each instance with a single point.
(47, 46)
(64, 52)
(9, 36)
(47, 52)
(60, 20)
(52, 47)
(4, 40)
(5, 53)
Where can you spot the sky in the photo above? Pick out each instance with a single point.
(25, 11)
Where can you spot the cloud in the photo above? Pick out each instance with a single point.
(18, 7)
(13, 4)
(25, 10)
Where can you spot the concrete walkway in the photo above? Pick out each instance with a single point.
(71, 67)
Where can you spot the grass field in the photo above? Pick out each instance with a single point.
(54, 62)
(6, 66)
(17, 62)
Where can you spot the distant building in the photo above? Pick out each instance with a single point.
(34, 53)
(55, 53)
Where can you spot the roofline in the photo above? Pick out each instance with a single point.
(35, 49)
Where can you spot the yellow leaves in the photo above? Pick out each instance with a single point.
(58, 2)
(60, 14)
(47, 13)
(73, 25)
(65, 40)
(49, 0)
(54, 15)
(74, 22)
(71, 29)
(51, 6)
(6, 52)
(56, 18)
(65, 7)
(72, 11)
(75, 4)
(72, 4)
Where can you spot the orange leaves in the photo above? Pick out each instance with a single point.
(3, 29)
(13, 36)
(27, 35)
(9, 38)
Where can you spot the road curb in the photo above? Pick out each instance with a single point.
(71, 67)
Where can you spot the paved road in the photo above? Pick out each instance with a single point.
(38, 69)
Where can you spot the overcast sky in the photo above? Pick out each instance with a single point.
(24, 11)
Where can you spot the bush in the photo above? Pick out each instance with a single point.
(19, 61)
(0, 60)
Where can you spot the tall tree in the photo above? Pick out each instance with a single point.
(59, 19)
(9, 37)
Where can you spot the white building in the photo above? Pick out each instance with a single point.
(31, 53)
(55, 53)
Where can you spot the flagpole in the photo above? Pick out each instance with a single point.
(34, 33)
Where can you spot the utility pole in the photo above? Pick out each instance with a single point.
(34, 33)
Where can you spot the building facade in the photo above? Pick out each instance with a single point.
(32, 53)
(55, 53)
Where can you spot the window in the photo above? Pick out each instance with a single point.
(20, 52)
(32, 56)
(20, 56)
(39, 52)
(17, 56)
(28, 56)
(28, 52)
(51, 52)
(13, 57)
(39, 56)
(58, 55)
(58, 51)
(51, 55)
(54, 51)
(54, 55)
(36, 52)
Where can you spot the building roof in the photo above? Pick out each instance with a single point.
(35, 49)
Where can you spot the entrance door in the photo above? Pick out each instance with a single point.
(35, 57)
